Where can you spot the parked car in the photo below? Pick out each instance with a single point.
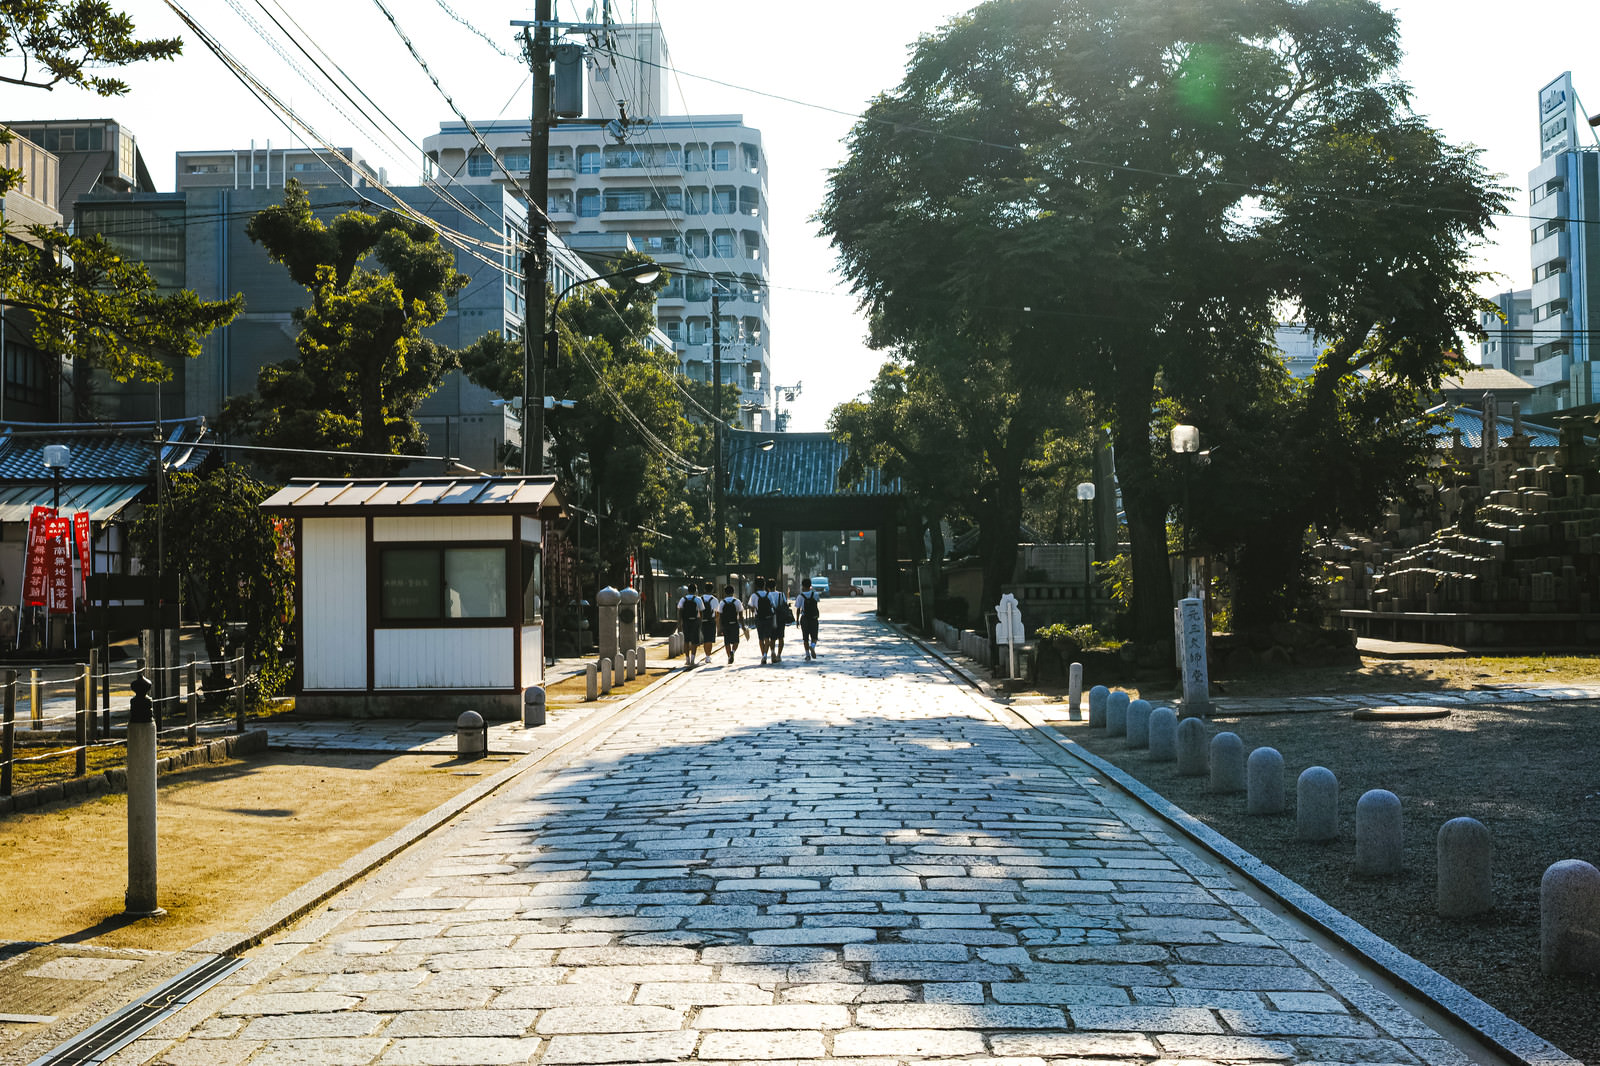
(820, 585)
(863, 586)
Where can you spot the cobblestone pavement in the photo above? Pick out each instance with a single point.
(852, 859)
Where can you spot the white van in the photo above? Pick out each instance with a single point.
(863, 586)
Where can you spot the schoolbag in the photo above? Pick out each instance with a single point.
(688, 608)
(708, 609)
(763, 605)
(808, 605)
(785, 615)
(730, 615)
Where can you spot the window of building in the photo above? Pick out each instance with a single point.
(722, 241)
(515, 160)
(589, 203)
(724, 201)
(559, 159)
(749, 202)
(696, 289)
(752, 157)
(532, 585)
(589, 160)
(624, 158)
(697, 201)
(697, 242)
(722, 157)
(479, 165)
(752, 245)
(697, 328)
(673, 329)
(27, 376)
(694, 157)
(431, 584)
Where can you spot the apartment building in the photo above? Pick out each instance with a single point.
(29, 384)
(688, 190)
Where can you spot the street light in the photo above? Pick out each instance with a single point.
(56, 458)
(533, 369)
(1086, 494)
(1186, 441)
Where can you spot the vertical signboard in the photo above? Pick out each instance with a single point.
(1558, 117)
(81, 534)
(60, 563)
(36, 582)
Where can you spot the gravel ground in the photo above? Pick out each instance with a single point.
(1530, 773)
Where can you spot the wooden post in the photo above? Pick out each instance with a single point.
(238, 694)
(8, 733)
(93, 669)
(35, 712)
(81, 716)
(194, 708)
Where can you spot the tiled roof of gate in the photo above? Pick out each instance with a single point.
(118, 451)
(796, 465)
(410, 493)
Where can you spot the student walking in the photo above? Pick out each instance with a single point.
(732, 612)
(708, 619)
(810, 615)
(761, 607)
(689, 623)
(782, 618)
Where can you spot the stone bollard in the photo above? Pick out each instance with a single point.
(628, 619)
(1097, 706)
(1316, 808)
(533, 707)
(605, 677)
(641, 661)
(627, 666)
(1164, 734)
(472, 736)
(1379, 849)
(1264, 784)
(616, 672)
(1139, 724)
(591, 683)
(605, 612)
(1227, 763)
(1466, 868)
(1117, 714)
(1075, 691)
(1193, 751)
(1569, 918)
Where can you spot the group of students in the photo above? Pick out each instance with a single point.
(701, 615)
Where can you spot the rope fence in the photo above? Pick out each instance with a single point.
(62, 718)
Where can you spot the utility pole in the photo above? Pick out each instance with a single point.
(535, 263)
(716, 420)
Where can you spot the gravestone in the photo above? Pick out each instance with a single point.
(1164, 734)
(1139, 724)
(1117, 714)
(1264, 791)
(1098, 697)
(1466, 867)
(1227, 763)
(1379, 840)
(1193, 750)
(1075, 691)
(1316, 808)
(1569, 918)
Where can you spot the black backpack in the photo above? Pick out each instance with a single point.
(763, 605)
(708, 609)
(808, 605)
(730, 615)
(687, 610)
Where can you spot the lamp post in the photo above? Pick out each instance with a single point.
(533, 374)
(1086, 495)
(1186, 441)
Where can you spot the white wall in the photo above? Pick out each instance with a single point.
(447, 527)
(443, 658)
(333, 602)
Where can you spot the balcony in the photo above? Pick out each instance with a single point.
(1555, 287)
(1555, 246)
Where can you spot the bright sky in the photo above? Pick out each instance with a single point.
(1476, 67)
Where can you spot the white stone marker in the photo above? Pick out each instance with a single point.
(1117, 713)
(1164, 734)
(1227, 763)
(616, 672)
(642, 660)
(605, 677)
(1075, 692)
(1264, 782)
(1139, 724)
(1193, 752)
(1316, 808)
(1196, 685)
(1569, 918)
(1098, 697)
(626, 659)
(1466, 868)
(1379, 848)
(591, 683)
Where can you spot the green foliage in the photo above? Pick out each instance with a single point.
(1077, 637)
(45, 43)
(364, 366)
(236, 565)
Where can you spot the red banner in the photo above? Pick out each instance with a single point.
(60, 554)
(36, 582)
(81, 533)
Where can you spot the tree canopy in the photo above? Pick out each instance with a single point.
(1121, 196)
(45, 43)
(363, 365)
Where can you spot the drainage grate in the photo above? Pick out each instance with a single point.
(95, 1045)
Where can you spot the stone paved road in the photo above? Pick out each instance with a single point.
(853, 859)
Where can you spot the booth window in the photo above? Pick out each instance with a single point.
(439, 584)
(532, 585)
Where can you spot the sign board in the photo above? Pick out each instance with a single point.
(1558, 117)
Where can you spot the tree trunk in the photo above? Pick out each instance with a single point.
(1145, 505)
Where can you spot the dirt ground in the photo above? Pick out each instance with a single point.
(233, 838)
(1527, 771)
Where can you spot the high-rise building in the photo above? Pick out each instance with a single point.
(1547, 340)
(688, 190)
(30, 379)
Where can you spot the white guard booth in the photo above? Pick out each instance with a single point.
(419, 597)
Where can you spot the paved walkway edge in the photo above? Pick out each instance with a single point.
(1492, 1027)
(297, 903)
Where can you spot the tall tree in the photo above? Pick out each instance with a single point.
(1114, 194)
(363, 366)
(45, 43)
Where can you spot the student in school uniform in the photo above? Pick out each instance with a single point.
(708, 619)
(689, 622)
(781, 617)
(810, 614)
(761, 608)
(732, 614)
